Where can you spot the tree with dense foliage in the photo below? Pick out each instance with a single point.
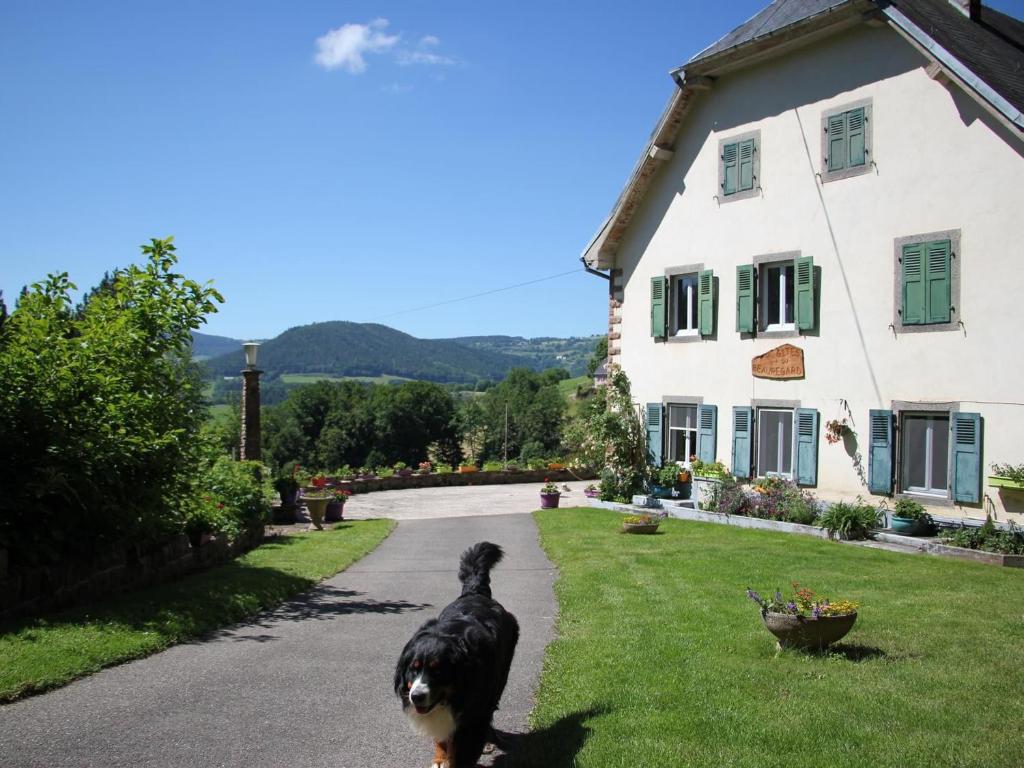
(100, 408)
(599, 356)
(609, 433)
(535, 411)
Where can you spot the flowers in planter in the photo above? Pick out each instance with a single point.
(835, 429)
(340, 495)
(803, 602)
(987, 538)
(549, 487)
(425, 467)
(714, 469)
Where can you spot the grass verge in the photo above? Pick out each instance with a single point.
(49, 651)
(660, 658)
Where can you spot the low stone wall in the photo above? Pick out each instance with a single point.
(117, 569)
(435, 480)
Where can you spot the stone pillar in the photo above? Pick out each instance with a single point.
(251, 415)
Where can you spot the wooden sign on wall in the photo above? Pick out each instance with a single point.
(785, 362)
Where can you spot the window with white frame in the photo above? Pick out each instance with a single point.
(777, 296)
(685, 321)
(682, 432)
(775, 442)
(924, 454)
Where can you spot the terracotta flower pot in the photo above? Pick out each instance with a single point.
(806, 632)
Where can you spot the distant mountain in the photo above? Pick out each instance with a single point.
(364, 349)
(538, 353)
(205, 345)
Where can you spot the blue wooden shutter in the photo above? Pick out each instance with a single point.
(742, 439)
(804, 277)
(836, 133)
(806, 446)
(880, 451)
(729, 168)
(965, 447)
(659, 289)
(855, 133)
(745, 298)
(654, 432)
(706, 302)
(938, 279)
(707, 432)
(914, 297)
(746, 163)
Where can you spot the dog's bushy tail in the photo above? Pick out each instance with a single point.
(475, 568)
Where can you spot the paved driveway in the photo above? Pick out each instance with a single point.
(310, 683)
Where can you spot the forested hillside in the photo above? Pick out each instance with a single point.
(538, 353)
(205, 345)
(341, 348)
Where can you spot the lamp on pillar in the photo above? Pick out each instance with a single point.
(250, 404)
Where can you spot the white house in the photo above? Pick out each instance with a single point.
(842, 179)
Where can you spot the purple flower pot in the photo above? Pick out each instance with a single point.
(549, 500)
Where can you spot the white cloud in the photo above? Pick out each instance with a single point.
(345, 46)
(427, 40)
(421, 55)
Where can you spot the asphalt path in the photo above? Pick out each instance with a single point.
(309, 684)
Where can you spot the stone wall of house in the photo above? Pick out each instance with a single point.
(117, 569)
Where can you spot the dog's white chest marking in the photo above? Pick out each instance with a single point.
(438, 723)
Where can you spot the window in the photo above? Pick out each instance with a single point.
(846, 141)
(785, 295)
(682, 303)
(684, 295)
(776, 288)
(739, 166)
(925, 454)
(774, 442)
(939, 454)
(682, 432)
(927, 282)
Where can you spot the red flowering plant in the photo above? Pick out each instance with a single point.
(205, 515)
(803, 602)
(835, 429)
(340, 495)
(549, 487)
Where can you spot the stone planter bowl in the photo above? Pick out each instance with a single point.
(805, 632)
(639, 527)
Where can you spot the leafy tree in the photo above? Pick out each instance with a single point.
(100, 409)
(599, 356)
(535, 410)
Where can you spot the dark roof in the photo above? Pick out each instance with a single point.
(778, 15)
(990, 49)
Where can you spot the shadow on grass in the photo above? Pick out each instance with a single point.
(553, 747)
(855, 652)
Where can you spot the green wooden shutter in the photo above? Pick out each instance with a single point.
(746, 165)
(938, 278)
(745, 298)
(965, 447)
(654, 412)
(730, 168)
(659, 289)
(806, 446)
(707, 432)
(914, 296)
(706, 302)
(855, 133)
(804, 272)
(836, 133)
(880, 451)
(742, 439)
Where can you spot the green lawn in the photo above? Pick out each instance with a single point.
(661, 660)
(44, 653)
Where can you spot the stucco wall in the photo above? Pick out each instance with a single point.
(941, 164)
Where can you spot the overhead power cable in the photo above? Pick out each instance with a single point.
(477, 295)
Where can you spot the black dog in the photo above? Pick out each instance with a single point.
(453, 671)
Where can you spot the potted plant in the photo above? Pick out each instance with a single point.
(335, 510)
(555, 466)
(1007, 476)
(835, 430)
(591, 491)
(425, 467)
(549, 495)
(640, 523)
(402, 469)
(707, 475)
(909, 518)
(846, 520)
(664, 481)
(464, 468)
(287, 487)
(805, 620)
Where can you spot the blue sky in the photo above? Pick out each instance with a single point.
(338, 160)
